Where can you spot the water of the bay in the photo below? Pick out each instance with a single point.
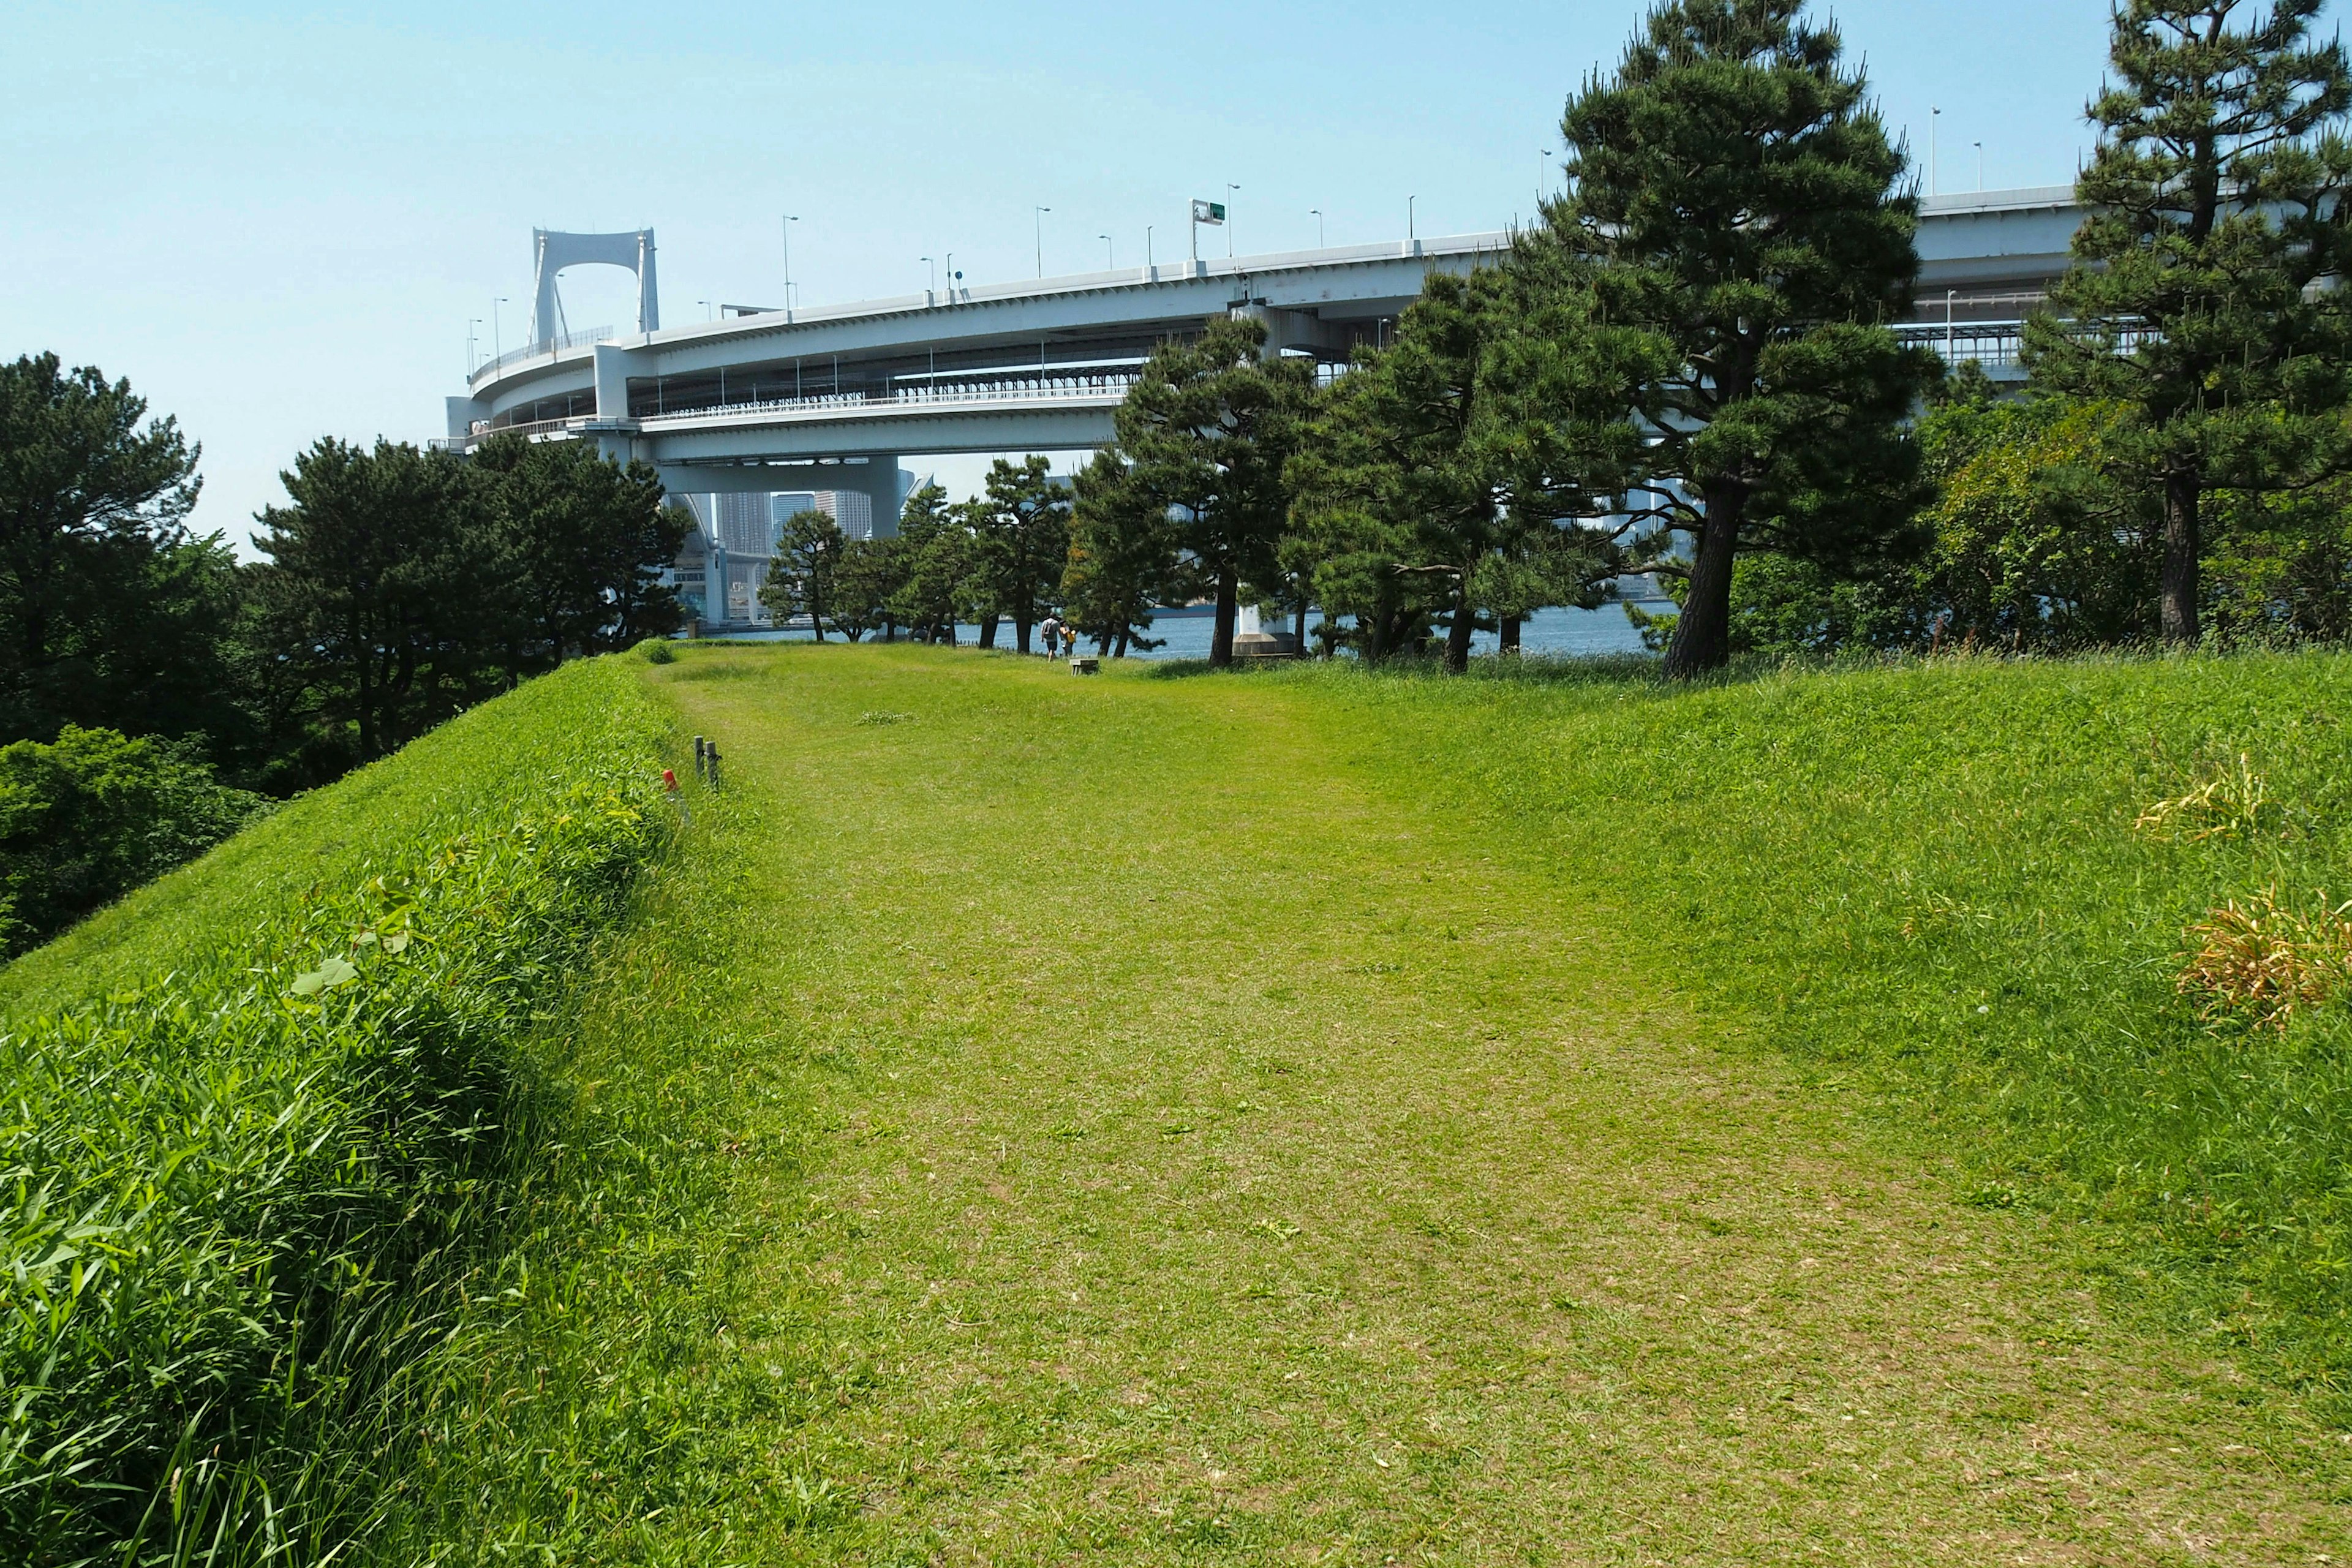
(1557, 632)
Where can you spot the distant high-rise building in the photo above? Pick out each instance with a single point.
(852, 510)
(745, 525)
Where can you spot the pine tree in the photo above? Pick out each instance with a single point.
(1124, 557)
(1736, 234)
(934, 545)
(799, 574)
(111, 612)
(1208, 428)
(1022, 522)
(585, 540)
(1408, 497)
(2201, 295)
(373, 597)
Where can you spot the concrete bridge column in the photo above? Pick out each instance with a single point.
(876, 478)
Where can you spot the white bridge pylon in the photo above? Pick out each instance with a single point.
(556, 250)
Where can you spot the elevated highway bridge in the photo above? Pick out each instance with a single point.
(830, 398)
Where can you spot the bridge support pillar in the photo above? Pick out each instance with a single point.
(1286, 330)
(878, 481)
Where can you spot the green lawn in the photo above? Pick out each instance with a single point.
(1314, 1117)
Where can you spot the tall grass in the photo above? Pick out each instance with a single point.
(1972, 888)
(242, 1195)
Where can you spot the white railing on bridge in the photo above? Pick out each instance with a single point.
(556, 345)
(1093, 386)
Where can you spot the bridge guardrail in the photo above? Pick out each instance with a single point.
(1106, 384)
(556, 345)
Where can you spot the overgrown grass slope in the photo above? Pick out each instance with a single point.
(1975, 888)
(256, 1115)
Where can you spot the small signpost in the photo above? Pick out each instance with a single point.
(1211, 213)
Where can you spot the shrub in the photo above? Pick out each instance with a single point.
(90, 817)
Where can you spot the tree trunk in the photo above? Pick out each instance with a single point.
(1020, 634)
(1703, 634)
(1299, 626)
(1118, 644)
(1506, 637)
(988, 630)
(364, 672)
(889, 629)
(1220, 639)
(2177, 610)
(1457, 636)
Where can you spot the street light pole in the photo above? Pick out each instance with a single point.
(789, 219)
(1039, 218)
(1411, 234)
(498, 346)
(1979, 165)
(1110, 257)
(1934, 116)
(471, 323)
(935, 274)
(1230, 189)
(1146, 246)
(1317, 214)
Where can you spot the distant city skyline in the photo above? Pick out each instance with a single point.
(278, 221)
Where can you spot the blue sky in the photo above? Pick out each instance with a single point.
(276, 220)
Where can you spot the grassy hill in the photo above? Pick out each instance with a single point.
(269, 1120)
(1545, 1116)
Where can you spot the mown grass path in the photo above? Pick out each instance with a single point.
(1217, 1150)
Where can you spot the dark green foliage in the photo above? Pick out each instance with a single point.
(377, 608)
(581, 542)
(1413, 504)
(1714, 291)
(800, 573)
(1206, 431)
(870, 576)
(1124, 558)
(1020, 541)
(111, 614)
(243, 1194)
(2278, 566)
(94, 814)
(934, 548)
(2215, 195)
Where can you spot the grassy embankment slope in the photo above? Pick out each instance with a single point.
(273, 1140)
(1332, 1116)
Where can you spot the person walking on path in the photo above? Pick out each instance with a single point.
(1053, 634)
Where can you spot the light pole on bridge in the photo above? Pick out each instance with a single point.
(1230, 189)
(789, 219)
(1317, 214)
(1038, 218)
(471, 323)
